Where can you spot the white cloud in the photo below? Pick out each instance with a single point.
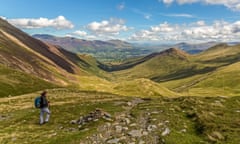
(113, 27)
(164, 27)
(199, 31)
(200, 23)
(167, 1)
(59, 22)
(179, 15)
(121, 6)
(232, 4)
(80, 33)
(2, 17)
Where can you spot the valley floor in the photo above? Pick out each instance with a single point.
(181, 120)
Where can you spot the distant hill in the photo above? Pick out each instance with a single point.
(195, 48)
(112, 50)
(76, 45)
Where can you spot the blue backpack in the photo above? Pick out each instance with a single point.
(37, 102)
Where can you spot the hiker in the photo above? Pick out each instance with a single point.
(44, 108)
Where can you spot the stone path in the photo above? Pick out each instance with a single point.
(127, 128)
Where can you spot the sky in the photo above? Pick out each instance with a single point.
(143, 21)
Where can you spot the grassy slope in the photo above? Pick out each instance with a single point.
(203, 119)
(225, 81)
(142, 87)
(164, 67)
(222, 81)
(14, 82)
(20, 119)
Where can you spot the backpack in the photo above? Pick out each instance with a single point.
(37, 102)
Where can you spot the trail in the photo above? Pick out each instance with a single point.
(126, 128)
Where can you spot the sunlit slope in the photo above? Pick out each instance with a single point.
(224, 80)
(167, 65)
(20, 51)
(142, 87)
(220, 54)
(14, 82)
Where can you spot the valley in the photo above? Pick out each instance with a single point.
(149, 95)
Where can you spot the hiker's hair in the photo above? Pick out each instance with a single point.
(43, 93)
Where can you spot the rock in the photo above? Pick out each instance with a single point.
(125, 128)
(108, 125)
(79, 127)
(108, 115)
(135, 133)
(216, 136)
(167, 121)
(141, 142)
(129, 103)
(155, 112)
(113, 141)
(54, 134)
(123, 138)
(119, 128)
(145, 133)
(95, 120)
(127, 120)
(154, 119)
(160, 124)
(183, 131)
(73, 122)
(61, 127)
(166, 132)
(151, 128)
(133, 125)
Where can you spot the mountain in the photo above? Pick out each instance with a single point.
(195, 48)
(112, 50)
(120, 44)
(172, 70)
(38, 60)
(75, 44)
(163, 66)
(208, 71)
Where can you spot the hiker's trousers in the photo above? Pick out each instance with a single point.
(42, 112)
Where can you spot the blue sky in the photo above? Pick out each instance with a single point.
(158, 21)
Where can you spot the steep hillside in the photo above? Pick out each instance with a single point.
(221, 80)
(220, 54)
(224, 81)
(13, 82)
(20, 51)
(164, 66)
(38, 60)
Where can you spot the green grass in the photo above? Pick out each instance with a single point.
(21, 123)
(14, 82)
(201, 117)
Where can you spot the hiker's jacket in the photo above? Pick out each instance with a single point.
(44, 102)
